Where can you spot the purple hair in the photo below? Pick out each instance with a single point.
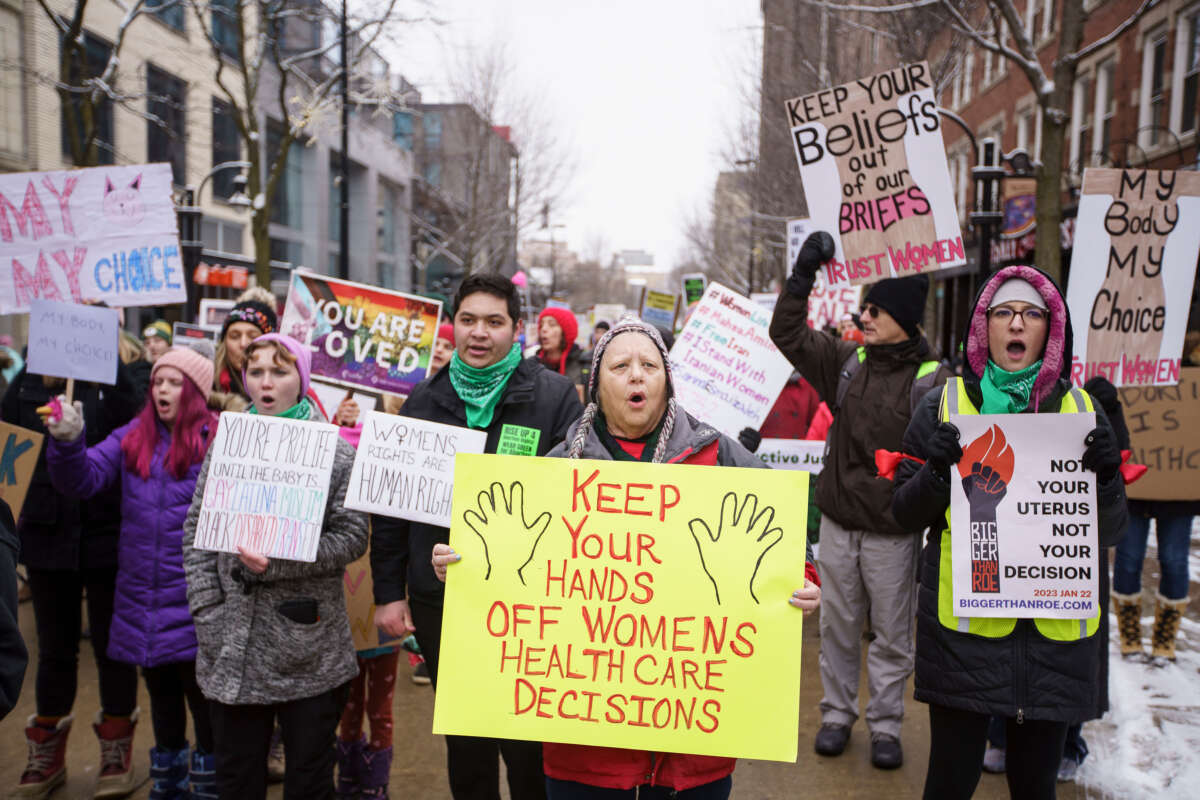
(189, 442)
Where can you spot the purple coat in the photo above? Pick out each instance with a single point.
(151, 623)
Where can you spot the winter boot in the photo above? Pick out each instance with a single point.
(1129, 622)
(116, 754)
(202, 776)
(349, 766)
(47, 768)
(376, 766)
(1167, 614)
(168, 771)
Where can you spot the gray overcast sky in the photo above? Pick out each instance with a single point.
(646, 90)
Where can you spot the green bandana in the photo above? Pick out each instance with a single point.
(1007, 392)
(480, 389)
(301, 410)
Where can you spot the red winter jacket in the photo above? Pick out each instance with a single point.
(691, 442)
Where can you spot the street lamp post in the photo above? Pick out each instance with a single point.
(191, 217)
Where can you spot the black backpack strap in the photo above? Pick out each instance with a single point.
(850, 367)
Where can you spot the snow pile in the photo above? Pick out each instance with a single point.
(1148, 745)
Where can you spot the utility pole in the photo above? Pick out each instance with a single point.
(344, 166)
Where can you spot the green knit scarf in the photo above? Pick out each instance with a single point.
(480, 389)
(1007, 392)
(301, 410)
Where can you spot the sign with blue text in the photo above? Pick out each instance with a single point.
(103, 233)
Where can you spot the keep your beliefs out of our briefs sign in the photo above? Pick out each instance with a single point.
(625, 605)
(876, 144)
(267, 486)
(1023, 518)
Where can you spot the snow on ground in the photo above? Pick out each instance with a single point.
(1148, 745)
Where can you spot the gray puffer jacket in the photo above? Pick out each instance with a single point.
(250, 654)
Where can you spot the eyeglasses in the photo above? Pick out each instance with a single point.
(1030, 316)
(870, 309)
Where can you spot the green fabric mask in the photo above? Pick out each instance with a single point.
(301, 410)
(480, 389)
(1007, 392)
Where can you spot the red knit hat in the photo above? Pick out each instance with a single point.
(570, 328)
(446, 332)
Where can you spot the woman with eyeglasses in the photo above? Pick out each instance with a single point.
(1039, 675)
(868, 560)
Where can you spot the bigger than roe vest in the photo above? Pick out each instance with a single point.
(956, 401)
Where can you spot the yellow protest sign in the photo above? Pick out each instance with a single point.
(624, 604)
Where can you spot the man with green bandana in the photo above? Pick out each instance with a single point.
(525, 410)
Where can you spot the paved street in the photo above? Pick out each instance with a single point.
(418, 770)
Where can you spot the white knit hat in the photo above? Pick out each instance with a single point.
(1018, 290)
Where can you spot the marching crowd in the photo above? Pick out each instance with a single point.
(257, 651)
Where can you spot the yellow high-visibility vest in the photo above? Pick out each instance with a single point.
(956, 401)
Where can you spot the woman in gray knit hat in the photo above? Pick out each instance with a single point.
(633, 416)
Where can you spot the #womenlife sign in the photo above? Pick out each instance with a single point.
(362, 336)
(623, 604)
(103, 233)
(1023, 537)
(876, 143)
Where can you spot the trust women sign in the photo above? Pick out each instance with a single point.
(875, 144)
(624, 604)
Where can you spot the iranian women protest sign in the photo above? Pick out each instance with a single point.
(624, 604)
(727, 371)
(103, 233)
(362, 336)
(1023, 537)
(404, 467)
(267, 486)
(876, 143)
(1132, 272)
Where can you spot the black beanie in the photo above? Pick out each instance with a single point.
(903, 298)
(260, 315)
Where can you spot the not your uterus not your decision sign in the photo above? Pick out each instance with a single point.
(1023, 518)
(103, 233)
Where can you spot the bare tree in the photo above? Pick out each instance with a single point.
(89, 87)
(499, 203)
(278, 64)
(996, 26)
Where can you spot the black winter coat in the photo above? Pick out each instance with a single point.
(874, 413)
(57, 532)
(13, 655)
(1023, 674)
(535, 398)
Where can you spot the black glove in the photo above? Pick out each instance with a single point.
(943, 449)
(1102, 456)
(816, 250)
(750, 439)
(1106, 395)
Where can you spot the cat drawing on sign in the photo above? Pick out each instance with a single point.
(124, 206)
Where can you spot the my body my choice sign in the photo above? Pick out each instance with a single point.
(104, 233)
(1023, 536)
(623, 604)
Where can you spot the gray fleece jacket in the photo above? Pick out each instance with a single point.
(247, 652)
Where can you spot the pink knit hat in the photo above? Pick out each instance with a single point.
(302, 353)
(197, 368)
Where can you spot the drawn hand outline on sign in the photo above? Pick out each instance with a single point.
(730, 558)
(482, 523)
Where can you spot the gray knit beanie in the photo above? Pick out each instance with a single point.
(627, 324)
